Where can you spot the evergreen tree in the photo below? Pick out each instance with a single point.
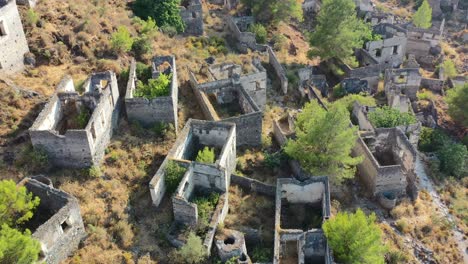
(355, 238)
(324, 142)
(17, 247)
(423, 17)
(193, 251)
(274, 11)
(166, 13)
(16, 204)
(457, 99)
(206, 155)
(339, 30)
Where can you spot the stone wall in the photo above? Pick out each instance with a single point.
(160, 109)
(391, 48)
(29, 3)
(192, 15)
(78, 148)
(434, 85)
(61, 232)
(405, 81)
(13, 44)
(280, 71)
(213, 134)
(253, 185)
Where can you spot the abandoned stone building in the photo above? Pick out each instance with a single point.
(74, 129)
(375, 18)
(389, 159)
(401, 85)
(192, 14)
(355, 86)
(57, 222)
(391, 48)
(310, 80)
(424, 44)
(196, 135)
(300, 210)
(231, 103)
(13, 44)
(245, 40)
(159, 109)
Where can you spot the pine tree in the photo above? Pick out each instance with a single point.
(339, 30)
(457, 99)
(193, 251)
(16, 204)
(355, 238)
(166, 13)
(324, 142)
(17, 247)
(423, 17)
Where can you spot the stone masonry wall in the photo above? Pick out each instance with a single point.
(160, 109)
(280, 72)
(192, 15)
(13, 44)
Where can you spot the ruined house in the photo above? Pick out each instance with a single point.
(355, 86)
(424, 44)
(391, 48)
(74, 129)
(191, 12)
(301, 209)
(161, 109)
(229, 101)
(57, 222)
(389, 159)
(196, 135)
(309, 78)
(401, 86)
(13, 44)
(375, 18)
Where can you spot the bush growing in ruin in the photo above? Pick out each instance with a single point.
(166, 13)
(449, 68)
(390, 117)
(275, 11)
(355, 238)
(457, 99)
(206, 155)
(348, 101)
(205, 205)
(324, 142)
(260, 33)
(193, 251)
(431, 140)
(339, 30)
(155, 87)
(423, 17)
(454, 159)
(173, 174)
(17, 247)
(121, 40)
(17, 205)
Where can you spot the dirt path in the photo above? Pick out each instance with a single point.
(426, 183)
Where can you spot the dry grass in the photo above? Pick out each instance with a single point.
(454, 193)
(421, 220)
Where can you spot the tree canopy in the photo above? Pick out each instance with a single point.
(423, 17)
(166, 13)
(339, 30)
(16, 204)
(17, 247)
(390, 117)
(193, 251)
(457, 99)
(275, 11)
(324, 142)
(355, 238)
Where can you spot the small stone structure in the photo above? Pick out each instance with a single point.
(355, 86)
(389, 160)
(160, 109)
(230, 102)
(57, 222)
(301, 208)
(391, 48)
(196, 135)
(191, 12)
(245, 40)
(231, 244)
(75, 129)
(375, 18)
(309, 79)
(13, 44)
(424, 44)
(404, 81)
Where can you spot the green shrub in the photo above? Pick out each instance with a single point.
(166, 13)
(142, 46)
(280, 42)
(389, 117)
(193, 251)
(155, 87)
(169, 30)
(274, 160)
(143, 72)
(17, 247)
(147, 28)
(396, 257)
(453, 159)
(260, 32)
(261, 255)
(348, 101)
(205, 206)
(82, 118)
(206, 155)
(121, 41)
(431, 140)
(173, 175)
(31, 18)
(338, 91)
(94, 172)
(449, 68)
(425, 95)
(458, 108)
(17, 204)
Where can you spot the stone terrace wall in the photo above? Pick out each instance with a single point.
(160, 109)
(280, 71)
(13, 44)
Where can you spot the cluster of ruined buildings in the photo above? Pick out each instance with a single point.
(75, 128)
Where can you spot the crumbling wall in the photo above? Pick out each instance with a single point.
(253, 185)
(435, 85)
(391, 48)
(280, 72)
(13, 44)
(159, 109)
(61, 233)
(192, 15)
(78, 148)
(407, 81)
